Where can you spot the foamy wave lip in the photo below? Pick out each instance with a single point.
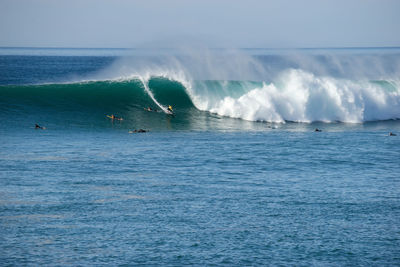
(300, 96)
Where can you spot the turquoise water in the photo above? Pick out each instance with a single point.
(201, 187)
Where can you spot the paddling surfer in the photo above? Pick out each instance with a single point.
(113, 117)
(139, 131)
(37, 126)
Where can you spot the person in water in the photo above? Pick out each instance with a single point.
(149, 109)
(113, 117)
(170, 108)
(317, 130)
(139, 131)
(37, 126)
(392, 134)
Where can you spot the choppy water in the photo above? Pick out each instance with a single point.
(199, 188)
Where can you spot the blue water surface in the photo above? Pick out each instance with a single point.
(174, 198)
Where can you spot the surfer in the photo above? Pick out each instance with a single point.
(139, 131)
(37, 126)
(317, 130)
(113, 117)
(392, 134)
(170, 109)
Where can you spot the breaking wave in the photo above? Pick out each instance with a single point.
(295, 95)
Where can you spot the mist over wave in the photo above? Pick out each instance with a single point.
(278, 86)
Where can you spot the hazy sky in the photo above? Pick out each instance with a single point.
(214, 23)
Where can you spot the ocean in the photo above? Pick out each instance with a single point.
(236, 176)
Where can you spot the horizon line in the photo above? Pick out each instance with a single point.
(171, 48)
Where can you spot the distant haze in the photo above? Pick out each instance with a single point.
(213, 23)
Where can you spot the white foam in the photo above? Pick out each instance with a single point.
(302, 97)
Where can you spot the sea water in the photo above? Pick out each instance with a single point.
(238, 176)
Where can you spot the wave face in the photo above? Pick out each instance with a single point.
(103, 95)
(208, 89)
(87, 103)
